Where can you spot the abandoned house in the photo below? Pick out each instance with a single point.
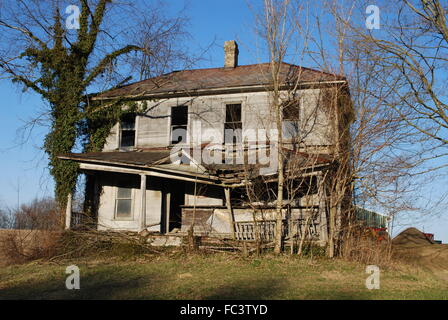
(190, 159)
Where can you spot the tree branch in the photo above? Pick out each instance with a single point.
(108, 59)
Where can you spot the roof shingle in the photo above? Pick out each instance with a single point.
(213, 78)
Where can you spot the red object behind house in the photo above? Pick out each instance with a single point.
(430, 236)
(379, 233)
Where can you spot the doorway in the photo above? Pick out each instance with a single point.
(173, 199)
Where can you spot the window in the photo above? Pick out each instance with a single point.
(233, 125)
(123, 203)
(127, 130)
(179, 124)
(291, 117)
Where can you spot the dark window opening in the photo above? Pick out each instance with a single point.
(291, 117)
(238, 197)
(127, 130)
(299, 188)
(179, 124)
(233, 125)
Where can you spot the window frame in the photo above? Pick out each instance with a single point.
(120, 133)
(293, 120)
(170, 137)
(232, 123)
(131, 214)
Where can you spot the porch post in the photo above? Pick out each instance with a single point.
(168, 210)
(229, 208)
(322, 195)
(143, 201)
(68, 211)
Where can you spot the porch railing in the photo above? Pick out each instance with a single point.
(248, 230)
(79, 219)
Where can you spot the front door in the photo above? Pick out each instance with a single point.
(174, 198)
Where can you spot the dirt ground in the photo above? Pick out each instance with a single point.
(413, 247)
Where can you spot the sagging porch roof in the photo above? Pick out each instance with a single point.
(154, 161)
(158, 160)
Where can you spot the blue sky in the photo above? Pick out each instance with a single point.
(23, 166)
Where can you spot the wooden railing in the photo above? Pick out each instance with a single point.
(79, 219)
(248, 230)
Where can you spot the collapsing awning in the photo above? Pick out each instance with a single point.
(158, 162)
(155, 162)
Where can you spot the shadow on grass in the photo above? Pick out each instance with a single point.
(338, 295)
(274, 289)
(103, 284)
(248, 290)
(136, 283)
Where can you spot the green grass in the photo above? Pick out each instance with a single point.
(217, 276)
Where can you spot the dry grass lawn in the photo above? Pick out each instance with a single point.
(216, 276)
(172, 274)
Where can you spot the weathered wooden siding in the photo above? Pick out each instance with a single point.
(153, 128)
(112, 140)
(205, 195)
(106, 210)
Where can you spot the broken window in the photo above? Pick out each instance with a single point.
(127, 130)
(291, 117)
(233, 125)
(179, 124)
(123, 203)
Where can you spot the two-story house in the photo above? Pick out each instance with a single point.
(191, 158)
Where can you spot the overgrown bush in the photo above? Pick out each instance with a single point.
(39, 214)
(314, 250)
(80, 244)
(34, 232)
(363, 247)
(20, 246)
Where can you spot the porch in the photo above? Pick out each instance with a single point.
(146, 192)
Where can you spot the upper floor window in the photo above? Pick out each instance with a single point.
(291, 117)
(179, 124)
(233, 125)
(127, 130)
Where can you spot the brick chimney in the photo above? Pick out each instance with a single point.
(231, 54)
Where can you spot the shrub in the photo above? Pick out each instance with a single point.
(20, 246)
(361, 246)
(36, 232)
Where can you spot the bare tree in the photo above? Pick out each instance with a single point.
(64, 58)
(369, 161)
(284, 26)
(385, 150)
(409, 58)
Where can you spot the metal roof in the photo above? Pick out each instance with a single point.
(190, 81)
